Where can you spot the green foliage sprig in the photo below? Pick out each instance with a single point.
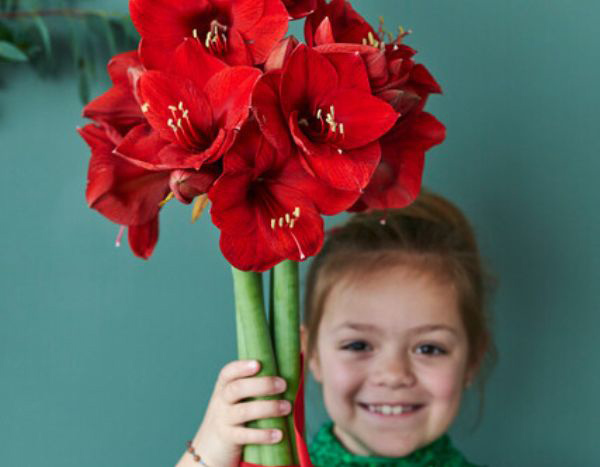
(45, 33)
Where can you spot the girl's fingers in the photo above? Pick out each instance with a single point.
(244, 388)
(255, 410)
(237, 369)
(242, 435)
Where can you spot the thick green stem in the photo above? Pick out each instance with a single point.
(285, 325)
(252, 452)
(255, 343)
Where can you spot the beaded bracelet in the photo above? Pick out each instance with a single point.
(192, 451)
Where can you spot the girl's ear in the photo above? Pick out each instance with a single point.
(313, 362)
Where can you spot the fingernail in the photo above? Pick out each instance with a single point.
(280, 384)
(275, 435)
(253, 365)
(284, 406)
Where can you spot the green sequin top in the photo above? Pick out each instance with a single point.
(326, 451)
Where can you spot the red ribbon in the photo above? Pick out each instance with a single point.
(298, 426)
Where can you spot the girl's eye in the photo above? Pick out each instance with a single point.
(356, 346)
(430, 349)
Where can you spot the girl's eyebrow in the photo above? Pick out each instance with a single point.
(418, 330)
(357, 327)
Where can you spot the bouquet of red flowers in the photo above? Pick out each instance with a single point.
(217, 105)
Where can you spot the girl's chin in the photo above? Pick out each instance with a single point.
(383, 445)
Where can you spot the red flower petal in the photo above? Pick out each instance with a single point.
(122, 192)
(421, 76)
(142, 146)
(245, 13)
(229, 196)
(178, 110)
(397, 180)
(280, 54)
(245, 253)
(328, 200)
(300, 8)
(262, 36)
(347, 25)
(191, 61)
(307, 79)
(119, 107)
(298, 240)
(351, 71)
(365, 117)
(143, 238)
(343, 169)
(229, 93)
(421, 131)
(267, 110)
(324, 33)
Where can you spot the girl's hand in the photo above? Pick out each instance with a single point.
(222, 434)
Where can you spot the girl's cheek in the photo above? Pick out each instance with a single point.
(444, 383)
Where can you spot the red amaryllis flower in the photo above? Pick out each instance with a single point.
(194, 109)
(333, 119)
(119, 107)
(300, 8)
(132, 196)
(344, 24)
(124, 193)
(393, 75)
(267, 207)
(397, 180)
(239, 32)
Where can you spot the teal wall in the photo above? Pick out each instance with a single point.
(107, 360)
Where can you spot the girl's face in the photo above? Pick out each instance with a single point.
(391, 356)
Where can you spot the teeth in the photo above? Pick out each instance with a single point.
(390, 409)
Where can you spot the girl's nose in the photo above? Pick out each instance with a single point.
(394, 371)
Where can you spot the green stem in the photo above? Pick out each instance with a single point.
(252, 452)
(256, 344)
(286, 332)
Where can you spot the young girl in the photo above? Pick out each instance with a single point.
(394, 330)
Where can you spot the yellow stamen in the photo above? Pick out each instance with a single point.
(199, 205)
(169, 197)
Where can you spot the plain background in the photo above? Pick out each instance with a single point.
(108, 360)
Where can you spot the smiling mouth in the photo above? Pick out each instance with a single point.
(390, 410)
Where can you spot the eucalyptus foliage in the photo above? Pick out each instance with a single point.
(47, 33)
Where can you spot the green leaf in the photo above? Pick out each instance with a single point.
(84, 86)
(5, 33)
(12, 53)
(42, 29)
(110, 36)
